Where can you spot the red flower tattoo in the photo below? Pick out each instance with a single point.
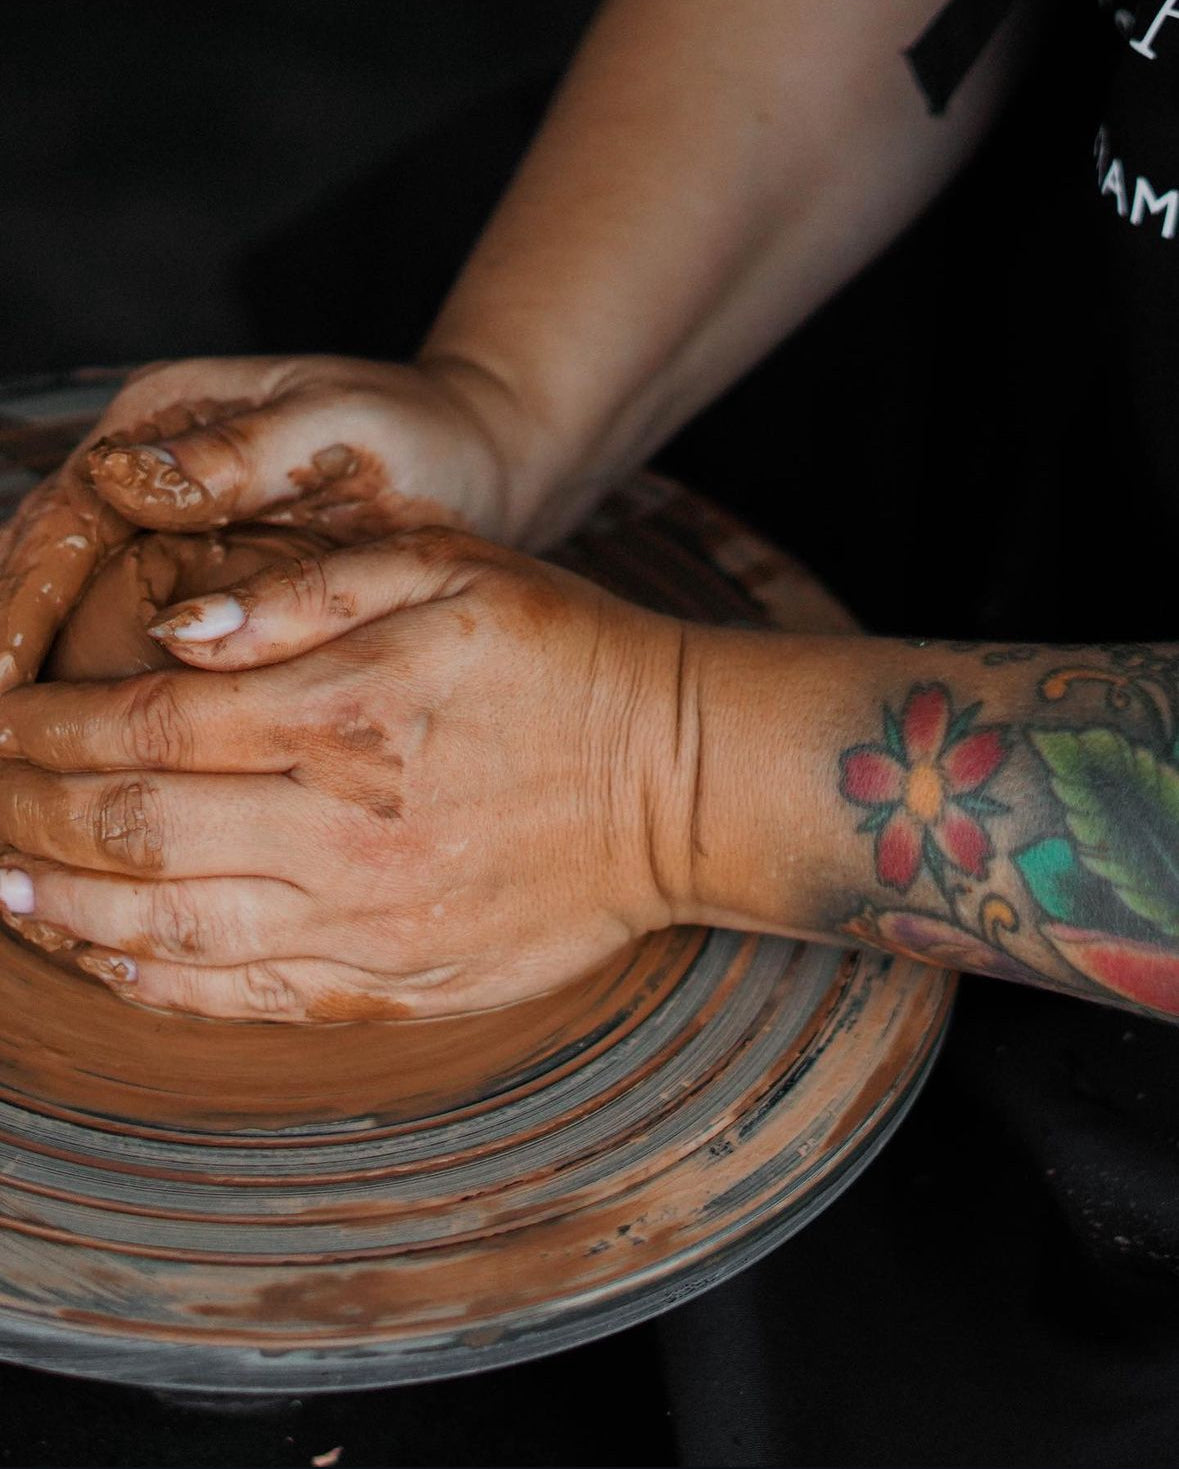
(923, 787)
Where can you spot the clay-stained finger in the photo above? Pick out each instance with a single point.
(245, 464)
(50, 937)
(158, 825)
(307, 990)
(218, 921)
(50, 548)
(183, 721)
(302, 603)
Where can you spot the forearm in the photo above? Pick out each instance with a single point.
(1008, 810)
(711, 171)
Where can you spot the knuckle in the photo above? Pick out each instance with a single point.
(128, 823)
(265, 990)
(159, 732)
(305, 582)
(175, 923)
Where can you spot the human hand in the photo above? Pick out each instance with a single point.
(352, 449)
(430, 775)
(349, 449)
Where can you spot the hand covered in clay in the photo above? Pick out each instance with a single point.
(429, 775)
(350, 449)
(49, 549)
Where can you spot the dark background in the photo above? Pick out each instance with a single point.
(299, 175)
(303, 175)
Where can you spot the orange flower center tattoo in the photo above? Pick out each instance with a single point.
(923, 787)
(923, 794)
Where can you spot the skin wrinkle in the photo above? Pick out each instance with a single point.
(347, 741)
(129, 824)
(160, 733)
(125, 819)
(305, 584)
(265, 985)
(176, 921)
(686, 745)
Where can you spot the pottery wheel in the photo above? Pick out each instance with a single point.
(432, 1198)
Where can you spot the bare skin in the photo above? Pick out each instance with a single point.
(700, 187)
(348, 449)
(332, 826)
(352, 449)
(393, 803)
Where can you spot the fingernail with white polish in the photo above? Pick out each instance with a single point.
(16, 890)
(202, 622)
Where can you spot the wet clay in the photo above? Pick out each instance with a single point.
(106, 634)
(58, 536)
(69, 1043)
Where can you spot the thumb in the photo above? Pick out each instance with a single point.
(305, 602)
(239, 467)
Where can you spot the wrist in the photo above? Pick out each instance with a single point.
(751, 843)
(554, 421)
(537, 481)
(504, 475)
(698, 787)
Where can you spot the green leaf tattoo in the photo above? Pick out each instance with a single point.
(1068, 892)
(1121, 807)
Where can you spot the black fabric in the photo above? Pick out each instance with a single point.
(949, 46)
(597, 1405)
(1136, 159)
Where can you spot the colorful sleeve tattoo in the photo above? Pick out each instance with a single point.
(1044, 849)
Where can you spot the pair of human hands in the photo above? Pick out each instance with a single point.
(420, 775)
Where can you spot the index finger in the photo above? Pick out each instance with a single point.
(187, 720)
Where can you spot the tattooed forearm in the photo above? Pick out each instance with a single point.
(1032, 834)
